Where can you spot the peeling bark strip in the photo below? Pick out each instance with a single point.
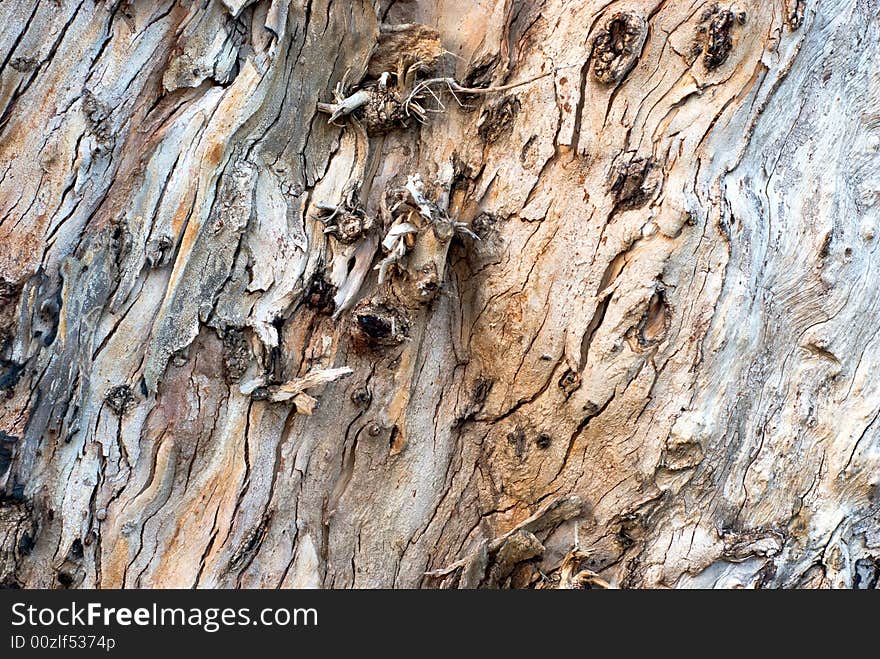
(564, 295)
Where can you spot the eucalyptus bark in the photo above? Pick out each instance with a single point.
(615, 325)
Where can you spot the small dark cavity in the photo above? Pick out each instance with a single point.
(320, 293)
(76, 550)
(25, 544)
(65, 579)
(375, 327)
(569, 382)
(379, 324)
(361, 397)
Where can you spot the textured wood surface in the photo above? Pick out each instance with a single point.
(657, 364)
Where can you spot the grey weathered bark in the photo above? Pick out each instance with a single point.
(657, 366)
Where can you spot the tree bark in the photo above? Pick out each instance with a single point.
(563, 295)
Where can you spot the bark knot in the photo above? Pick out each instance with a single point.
(617, 47)
(718, 34)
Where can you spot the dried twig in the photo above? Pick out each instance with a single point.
(454, 87)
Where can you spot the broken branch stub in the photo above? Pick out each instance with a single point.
(402, 53)
(418, 242)
(383, 112)
(379, 108)
(348, 222)
(345, 105)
